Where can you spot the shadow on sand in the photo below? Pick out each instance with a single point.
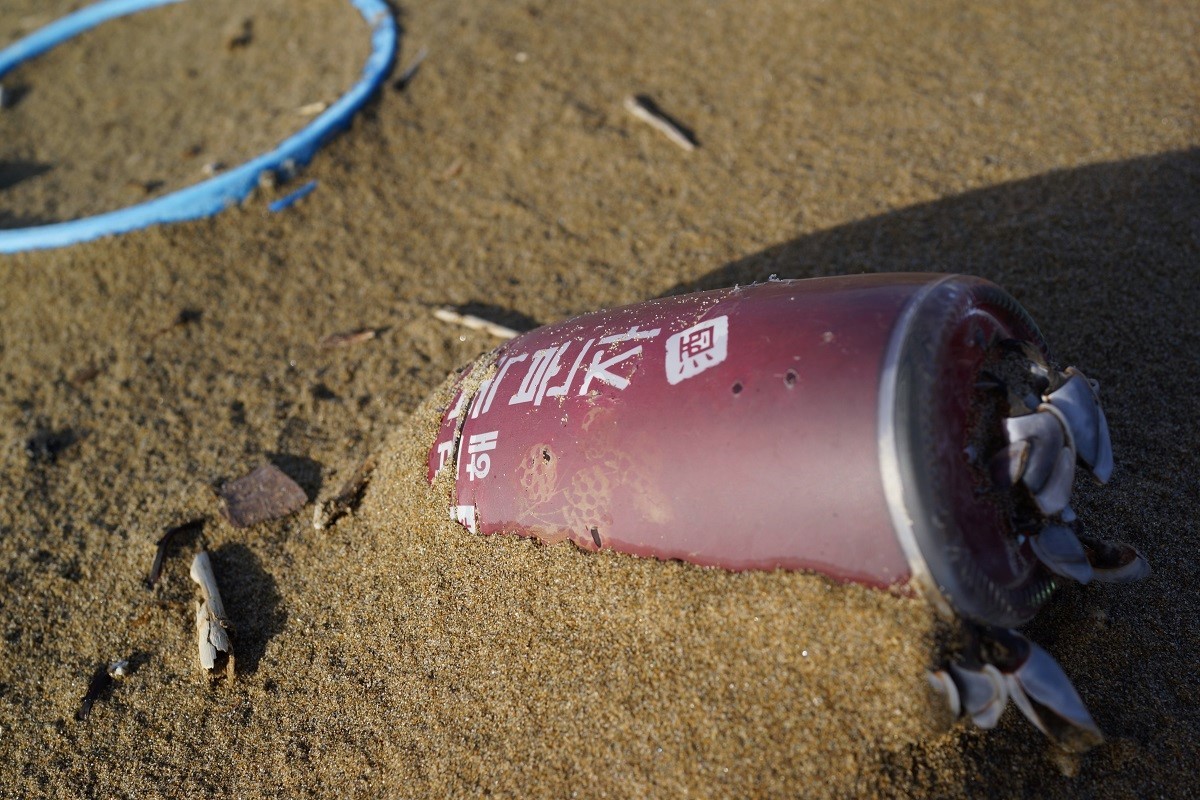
(1107, 259)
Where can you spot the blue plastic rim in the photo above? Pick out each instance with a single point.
(215, 194)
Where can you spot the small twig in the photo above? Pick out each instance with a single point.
(474, 323)
(329, 511)
(211, 623)
(410, 72)
(648, 112)
(160, 555)
(347, 338)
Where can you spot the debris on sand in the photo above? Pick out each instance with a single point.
(164, 543)
(648, 112)
(475, 323)
(347, 497)
(347, 338)
(266, 493)
(212, 627)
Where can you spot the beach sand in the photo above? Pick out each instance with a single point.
(1052, 149)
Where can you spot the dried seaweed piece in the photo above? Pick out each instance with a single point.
(347, 497)
(168, 538)
(212, 626)
(266, 493)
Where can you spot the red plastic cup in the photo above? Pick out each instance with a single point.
(832, 425)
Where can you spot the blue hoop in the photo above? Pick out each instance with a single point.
(215, 194)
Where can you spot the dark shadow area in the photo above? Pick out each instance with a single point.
(252, 603)
(13, 172)
(1107, 259)
(304, 471)
(13, 221)
(46, 444)
(12, 94)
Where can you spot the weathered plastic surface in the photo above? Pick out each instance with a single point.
(744, 428)
(733, 428)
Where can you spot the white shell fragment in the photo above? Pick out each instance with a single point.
(1049, 463)
(1044, 693)
(983, 693)
(216, 649)
(945, 686)
(1046, 437)
(1060, 550)
(1076, 400)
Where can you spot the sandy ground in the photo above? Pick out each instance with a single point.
(1050, 148)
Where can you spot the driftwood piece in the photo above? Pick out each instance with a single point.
(347, 497)
(474, 323)
(216, 648)
(266, 493)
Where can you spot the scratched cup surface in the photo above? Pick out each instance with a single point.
(791, 424)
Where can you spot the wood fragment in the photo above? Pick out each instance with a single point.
(212, 626)
(266, 493)
(453, 171)
(347, 497)
(474, 323)
(347, 338)
(648, 112)
(312, 109)
(168, 538)
(84, 375)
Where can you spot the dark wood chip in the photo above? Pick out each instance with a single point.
(187, 529)
(266, 493)
(84, 375)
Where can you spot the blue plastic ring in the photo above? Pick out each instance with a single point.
(215, 194)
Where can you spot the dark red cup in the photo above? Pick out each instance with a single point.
(834, 425)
